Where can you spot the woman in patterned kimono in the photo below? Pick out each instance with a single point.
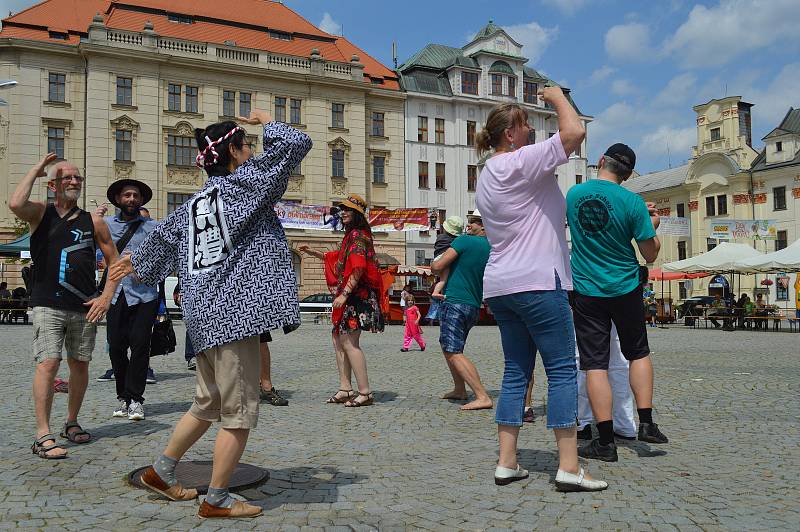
(353, 277)
(237, 280)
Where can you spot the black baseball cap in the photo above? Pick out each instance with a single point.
(623, 154)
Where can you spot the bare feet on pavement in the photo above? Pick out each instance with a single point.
(455, 396)
(478, 404)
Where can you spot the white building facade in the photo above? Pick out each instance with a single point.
(450, 92)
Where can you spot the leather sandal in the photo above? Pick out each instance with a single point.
(333, 399)
(75, 434)
(355, 403)
(40, 449)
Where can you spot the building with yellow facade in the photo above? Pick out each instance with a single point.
(118, 88)
(727, 179)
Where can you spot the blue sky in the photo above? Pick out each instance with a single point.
(638, 67)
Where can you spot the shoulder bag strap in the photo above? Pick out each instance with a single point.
(121, 243)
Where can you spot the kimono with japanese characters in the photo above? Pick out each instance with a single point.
(229, 249)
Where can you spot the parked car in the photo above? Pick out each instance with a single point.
(317, 303)
(169, 287)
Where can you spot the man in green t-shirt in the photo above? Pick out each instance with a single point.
(466, 259)
(604, 218)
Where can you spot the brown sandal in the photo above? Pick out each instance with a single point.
(339, 400)
(40, 449)
(353, 403)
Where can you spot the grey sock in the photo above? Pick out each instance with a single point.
(219, 497)
(165, 467)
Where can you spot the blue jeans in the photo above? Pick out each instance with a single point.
(188, 353)
(530, 321)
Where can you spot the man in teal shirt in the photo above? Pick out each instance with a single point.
(604, 218)
(466, 259)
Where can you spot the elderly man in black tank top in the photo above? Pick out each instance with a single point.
(65, 305)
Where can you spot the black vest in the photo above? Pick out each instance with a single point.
(64, 264)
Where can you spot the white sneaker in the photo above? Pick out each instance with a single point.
(572, 482)
(136, 411)
(504, 475)
(121, 410)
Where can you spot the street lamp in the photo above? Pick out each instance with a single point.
(6, 84)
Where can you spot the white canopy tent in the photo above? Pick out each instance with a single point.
(724, 257)
(785, 260)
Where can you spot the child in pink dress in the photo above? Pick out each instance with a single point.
(413, 330)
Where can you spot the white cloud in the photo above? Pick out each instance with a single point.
(328, 25)
(715, 36)
(601, 74)
(772, 102)
(629, 42)
(609, 127)
(679, 91)
(623, 87)
(534, 38)
(567, 7)
(667, 140)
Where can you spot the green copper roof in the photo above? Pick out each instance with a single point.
(439, 57)
(502, 67)
(487, 30)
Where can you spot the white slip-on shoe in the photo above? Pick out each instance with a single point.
(504, 475)
(572, 482)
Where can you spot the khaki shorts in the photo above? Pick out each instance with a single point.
(54, 329)
(228, 388)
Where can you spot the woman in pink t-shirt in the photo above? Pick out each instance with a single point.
(527, 278)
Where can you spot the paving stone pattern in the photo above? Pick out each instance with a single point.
(728, 402)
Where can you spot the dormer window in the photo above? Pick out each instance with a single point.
(280, 35)
(61, 36)
(469, 82)
(180, 19)
(779, 146)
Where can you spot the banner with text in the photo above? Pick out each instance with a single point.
(673, 226)
(399, 219)
(299, 216)
(743, 229)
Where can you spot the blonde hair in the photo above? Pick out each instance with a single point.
(502, 117)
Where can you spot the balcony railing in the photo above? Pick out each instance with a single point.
(148, 40)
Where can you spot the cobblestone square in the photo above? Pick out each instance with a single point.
(727, 401)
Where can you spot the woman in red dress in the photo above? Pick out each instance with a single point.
(353, 277)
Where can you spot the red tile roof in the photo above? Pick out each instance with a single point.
(213, 22)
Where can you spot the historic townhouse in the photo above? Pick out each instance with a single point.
(118, 87)
(727, 179)
(450, 93)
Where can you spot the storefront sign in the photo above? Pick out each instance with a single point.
(399, 219)
(674, 226)
(299, 216)
(743, 229)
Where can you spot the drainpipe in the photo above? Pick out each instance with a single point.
(85, 122)
(753, 211)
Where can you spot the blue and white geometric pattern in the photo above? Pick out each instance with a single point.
(251, 287)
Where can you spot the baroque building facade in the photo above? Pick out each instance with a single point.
(726, 178)
(450, 92)
(119, 87)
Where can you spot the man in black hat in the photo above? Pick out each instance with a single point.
(135, 305)
(604, 218)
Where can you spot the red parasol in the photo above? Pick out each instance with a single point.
(657, 275)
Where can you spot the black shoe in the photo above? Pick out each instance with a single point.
(273, 398)
(649, 432)
(626, 438)
(585, 433)
(598, 451)
(403, 350)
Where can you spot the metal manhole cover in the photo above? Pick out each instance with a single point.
(196, 474)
